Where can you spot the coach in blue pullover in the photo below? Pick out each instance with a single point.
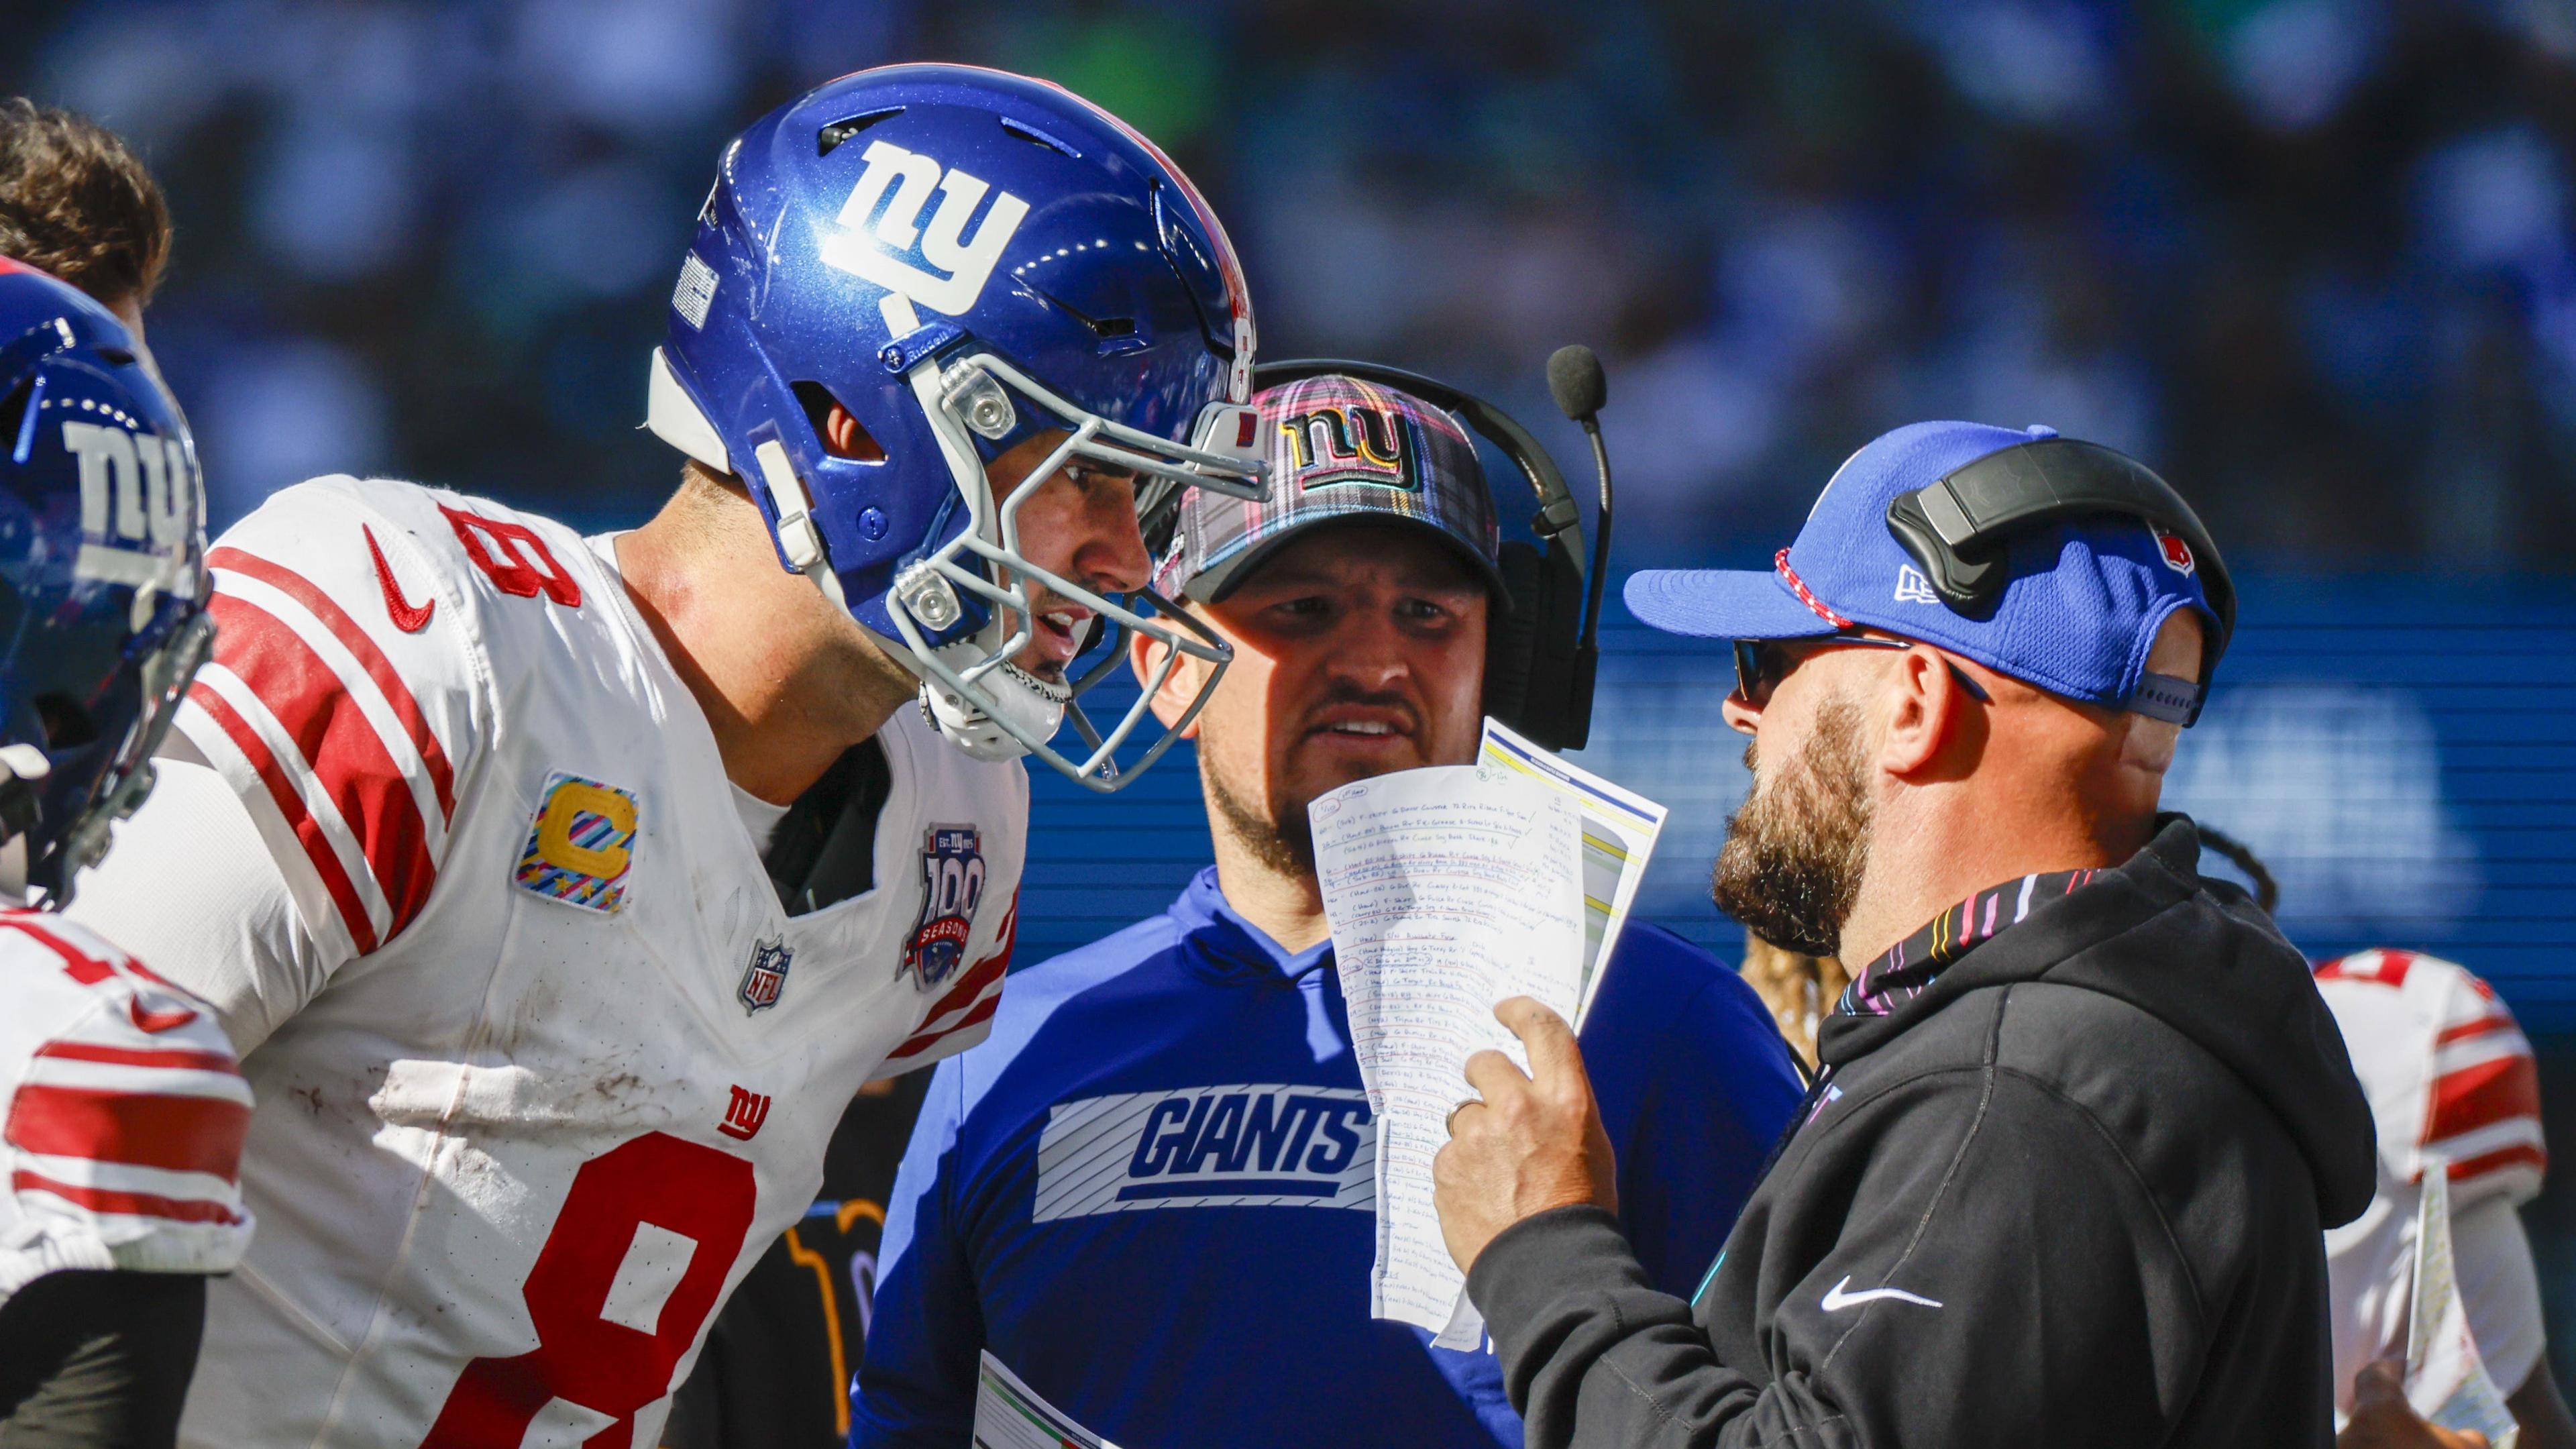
(1149, 1194)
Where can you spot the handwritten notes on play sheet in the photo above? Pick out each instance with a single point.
(2446, 1381)
(1449, 890)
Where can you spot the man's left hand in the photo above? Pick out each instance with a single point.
(1532, 1144)
(2382, 1419)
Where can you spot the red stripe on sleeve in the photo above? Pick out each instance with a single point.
(2520, 1154)
(171, 1059)
(370, 658)
(2483, 1026)
(983, 1012)
(337, 739)
(985, 976)
(317, 847)
(985, 973)
(2479, 1096)
(141, 1129)
(136, 1204)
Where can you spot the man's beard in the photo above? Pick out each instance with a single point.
(1285, 842)
(1795, 849)
(1286, 847)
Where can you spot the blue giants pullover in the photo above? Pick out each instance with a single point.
(1149, 1193)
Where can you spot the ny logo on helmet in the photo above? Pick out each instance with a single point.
(957, 265)
(138, 493)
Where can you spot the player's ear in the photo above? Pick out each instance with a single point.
(1179, 688)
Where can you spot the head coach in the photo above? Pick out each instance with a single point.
(2081, 1115)
(1150, 1193)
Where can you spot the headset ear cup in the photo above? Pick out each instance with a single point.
(1511, 634)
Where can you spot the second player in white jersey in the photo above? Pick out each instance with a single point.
(121, 1114)
(122, 1110)
(2451, 1081)
(544, 1063)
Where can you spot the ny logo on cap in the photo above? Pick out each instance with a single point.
(957, 265)
(1345, 444)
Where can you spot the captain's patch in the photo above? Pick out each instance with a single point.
(581, 845)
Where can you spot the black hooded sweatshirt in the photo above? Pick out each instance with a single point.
(2070, 1194)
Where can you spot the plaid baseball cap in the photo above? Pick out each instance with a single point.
(1339, 448)
(2084, 600)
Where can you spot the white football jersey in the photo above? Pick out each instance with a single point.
(2450, 1077)
(543, 1065)
(124, 1114)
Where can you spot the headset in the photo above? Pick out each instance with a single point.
(1542, 651)
(1959, 527)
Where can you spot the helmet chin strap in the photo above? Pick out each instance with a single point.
(1032, 703)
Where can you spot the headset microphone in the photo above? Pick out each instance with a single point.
(1574, 379)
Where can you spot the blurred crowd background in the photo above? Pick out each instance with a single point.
(2311, 258)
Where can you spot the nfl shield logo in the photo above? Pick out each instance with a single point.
(952, 884)
(765, 977)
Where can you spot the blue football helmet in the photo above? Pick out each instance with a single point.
(102, 577)
(960, 258)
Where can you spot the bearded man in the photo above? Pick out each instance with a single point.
(2081, 1115)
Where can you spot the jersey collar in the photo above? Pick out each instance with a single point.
(1228, 949)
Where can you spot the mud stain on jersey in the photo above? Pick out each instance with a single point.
(519, 1101)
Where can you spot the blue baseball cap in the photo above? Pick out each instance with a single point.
(2082, 600)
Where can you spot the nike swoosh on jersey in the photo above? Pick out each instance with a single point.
(407, 617)
(1837, 1299)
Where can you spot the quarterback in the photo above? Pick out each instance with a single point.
(559, 892)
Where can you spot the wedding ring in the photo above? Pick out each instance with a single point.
(1449, 1124)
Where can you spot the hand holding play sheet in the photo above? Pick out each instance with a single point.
(2446, 1381)
(1451, 890)
(1446, 894)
